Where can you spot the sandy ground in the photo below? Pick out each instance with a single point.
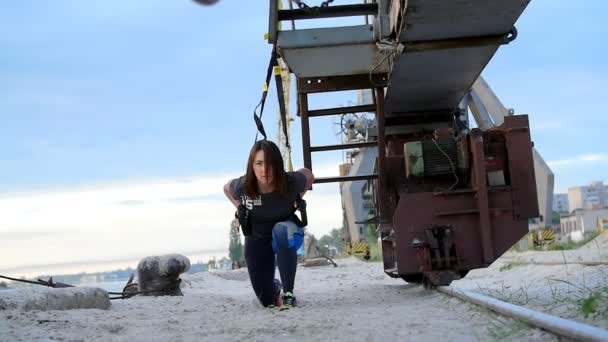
(554, 282)
(354, 302)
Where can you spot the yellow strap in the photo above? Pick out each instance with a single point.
(277, 70)
(265, 86)
(266, 36)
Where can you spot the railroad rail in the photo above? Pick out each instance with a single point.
(554, 324)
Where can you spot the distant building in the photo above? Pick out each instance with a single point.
(594, 196)
(584, 221)
(560, 203)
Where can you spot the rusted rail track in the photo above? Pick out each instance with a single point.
(556, 325)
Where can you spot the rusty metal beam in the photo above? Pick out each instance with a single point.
(341, 110)
(328, 12)
(342, 146)
(523, 180)
(481, 187)
(308, 85)
(344, 178)
(273, 23)
(305, 130)
(456, 43)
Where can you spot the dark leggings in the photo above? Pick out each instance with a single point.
(260, 257)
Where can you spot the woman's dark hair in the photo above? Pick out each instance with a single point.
(272, 160)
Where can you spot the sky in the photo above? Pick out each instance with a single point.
(120, 121)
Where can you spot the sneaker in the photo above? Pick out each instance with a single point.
(278, 300)
(289, 301)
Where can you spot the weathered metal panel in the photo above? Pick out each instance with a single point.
(335, 51)
(521, 167)
(333, 60)
(434, 80)
(440, 19)
(419, 211)
(486, 220)
(323, 37)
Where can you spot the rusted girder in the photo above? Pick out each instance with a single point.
(328, 12)
(341, 110)
(457, 43)
(342, 146)
(344, 178)
(308, 85)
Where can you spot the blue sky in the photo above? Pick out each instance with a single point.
(101, 99)
(97, 92)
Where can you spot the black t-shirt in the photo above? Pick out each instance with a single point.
(268, 209)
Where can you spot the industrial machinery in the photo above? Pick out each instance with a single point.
(448, 198)
(357, 201)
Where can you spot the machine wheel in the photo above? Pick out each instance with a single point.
(428, 285)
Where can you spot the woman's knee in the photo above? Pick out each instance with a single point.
(287, 235)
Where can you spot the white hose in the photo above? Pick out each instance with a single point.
(560, 326)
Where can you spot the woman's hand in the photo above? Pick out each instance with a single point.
(310, 178)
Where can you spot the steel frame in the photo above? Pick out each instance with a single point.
(312, 85)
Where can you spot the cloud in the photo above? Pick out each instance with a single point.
(578, 160)
(94, 265)
(8, 236)
(130, 202)
(105, 223)
(196, 198)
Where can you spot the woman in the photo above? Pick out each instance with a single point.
(269, 195)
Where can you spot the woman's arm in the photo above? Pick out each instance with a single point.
(230, 195)
(310, 178)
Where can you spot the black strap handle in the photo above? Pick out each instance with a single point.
(301, 221)
(280, 95)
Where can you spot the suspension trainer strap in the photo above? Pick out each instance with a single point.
(301, 221)
(256, 118)
(273, 65)
(281, 96)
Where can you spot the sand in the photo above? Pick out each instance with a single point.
(353, 302)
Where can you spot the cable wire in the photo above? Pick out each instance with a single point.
(451, 165)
